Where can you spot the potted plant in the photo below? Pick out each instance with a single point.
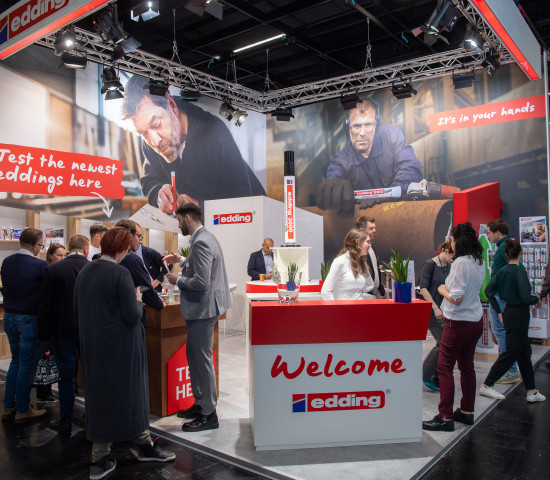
(292, 272)
(398, 269)
(325, 268)
(184, 252)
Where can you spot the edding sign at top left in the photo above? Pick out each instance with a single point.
(30, 20)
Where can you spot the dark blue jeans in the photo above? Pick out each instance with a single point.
(22, 332)
(65, 353)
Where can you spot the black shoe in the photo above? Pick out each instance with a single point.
(436, 424)
(102, 468)
(63, 428)
(203, 422)
(46, 398)
(150, 452)
(192, 412)
(466, 418)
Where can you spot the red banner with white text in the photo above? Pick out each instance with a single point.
(48, 172)
(499, 112)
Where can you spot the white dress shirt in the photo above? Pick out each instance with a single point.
(340, 283)
(465, 279)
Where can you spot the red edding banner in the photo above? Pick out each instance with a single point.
(490, 113)
(48, 172)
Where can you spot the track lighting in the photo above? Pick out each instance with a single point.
(463, 80)
(157, 87)
(146, 9)
(189, 94)
(232, 114)
(349, 101)
(282, 114)
(403, 90)
(111, 84)
(491, 62)
(65, 40)
(71, 60)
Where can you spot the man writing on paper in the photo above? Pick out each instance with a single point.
(180, 137)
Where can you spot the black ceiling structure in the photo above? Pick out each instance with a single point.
(330, 47)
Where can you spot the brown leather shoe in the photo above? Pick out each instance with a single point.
(8, 413)
(31, 414)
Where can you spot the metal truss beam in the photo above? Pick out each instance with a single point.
(178, 75)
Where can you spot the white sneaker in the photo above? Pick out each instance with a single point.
(535, 397)
(490, 392)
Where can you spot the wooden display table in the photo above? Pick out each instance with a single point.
(166, 332)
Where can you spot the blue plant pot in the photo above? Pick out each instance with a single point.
(291, 286)
(403, 292)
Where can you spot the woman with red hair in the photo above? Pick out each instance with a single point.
(113, 354)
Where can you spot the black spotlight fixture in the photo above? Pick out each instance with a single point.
(473, 41)
(108, 27)
(349, 101)
(72, 60)
(65, 40)
(111, 84)
(157, 87)
(189, 94)
(403, 90)
(444, 17)
(464, 79)
(282, 114)
(491, 62)
(231, 113)
(146, 9)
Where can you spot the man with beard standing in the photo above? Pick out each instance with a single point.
(204, 297)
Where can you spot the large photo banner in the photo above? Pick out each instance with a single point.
(65, 149)
(399, 161)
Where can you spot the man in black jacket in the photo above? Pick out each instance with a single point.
(56, 319)
(154, 265)
(261, 262)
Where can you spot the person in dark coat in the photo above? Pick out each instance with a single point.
(114, 356)
(154, 265)
(56, 320)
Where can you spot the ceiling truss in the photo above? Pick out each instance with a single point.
(180, 76)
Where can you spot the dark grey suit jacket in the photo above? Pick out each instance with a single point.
(203, 282)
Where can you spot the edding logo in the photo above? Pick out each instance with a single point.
(31, 13)
(327, 402)
(227, 218)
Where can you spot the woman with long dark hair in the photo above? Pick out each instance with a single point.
(512, 284)
(349, 277)
(56, 252)
(462, 328)
(434, 273)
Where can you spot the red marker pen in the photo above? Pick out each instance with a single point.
(174, 207)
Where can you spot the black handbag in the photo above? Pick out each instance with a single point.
(47, 371)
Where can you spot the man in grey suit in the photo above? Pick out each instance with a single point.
(204, 297)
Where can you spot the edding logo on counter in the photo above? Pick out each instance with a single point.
(228, 218)
(327, 402)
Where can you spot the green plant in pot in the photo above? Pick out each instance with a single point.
(325, 268)
(292, 273)
(398, 269)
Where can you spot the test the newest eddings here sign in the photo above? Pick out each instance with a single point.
(30, 20)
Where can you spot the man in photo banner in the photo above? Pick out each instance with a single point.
(197, 146)
(374, 157)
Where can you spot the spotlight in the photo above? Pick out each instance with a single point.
(124, 47)
(473, 40)
(463, 80)
(349, 101)
(212, 7)
(444, 17)
(157, 87)
(232, 114)
(74, 61)
(403, 90)
(189, 95)
(111, 84)
(282, 114)
(108, 26)
(146, 9)
(491, 62)
(65, 40)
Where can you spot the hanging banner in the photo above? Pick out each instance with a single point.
(48, 172)
(488, 114)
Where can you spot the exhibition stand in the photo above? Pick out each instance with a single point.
(336, 373)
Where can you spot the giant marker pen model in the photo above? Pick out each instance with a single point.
(289, 191)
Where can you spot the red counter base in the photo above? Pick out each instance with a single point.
(336, 373)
